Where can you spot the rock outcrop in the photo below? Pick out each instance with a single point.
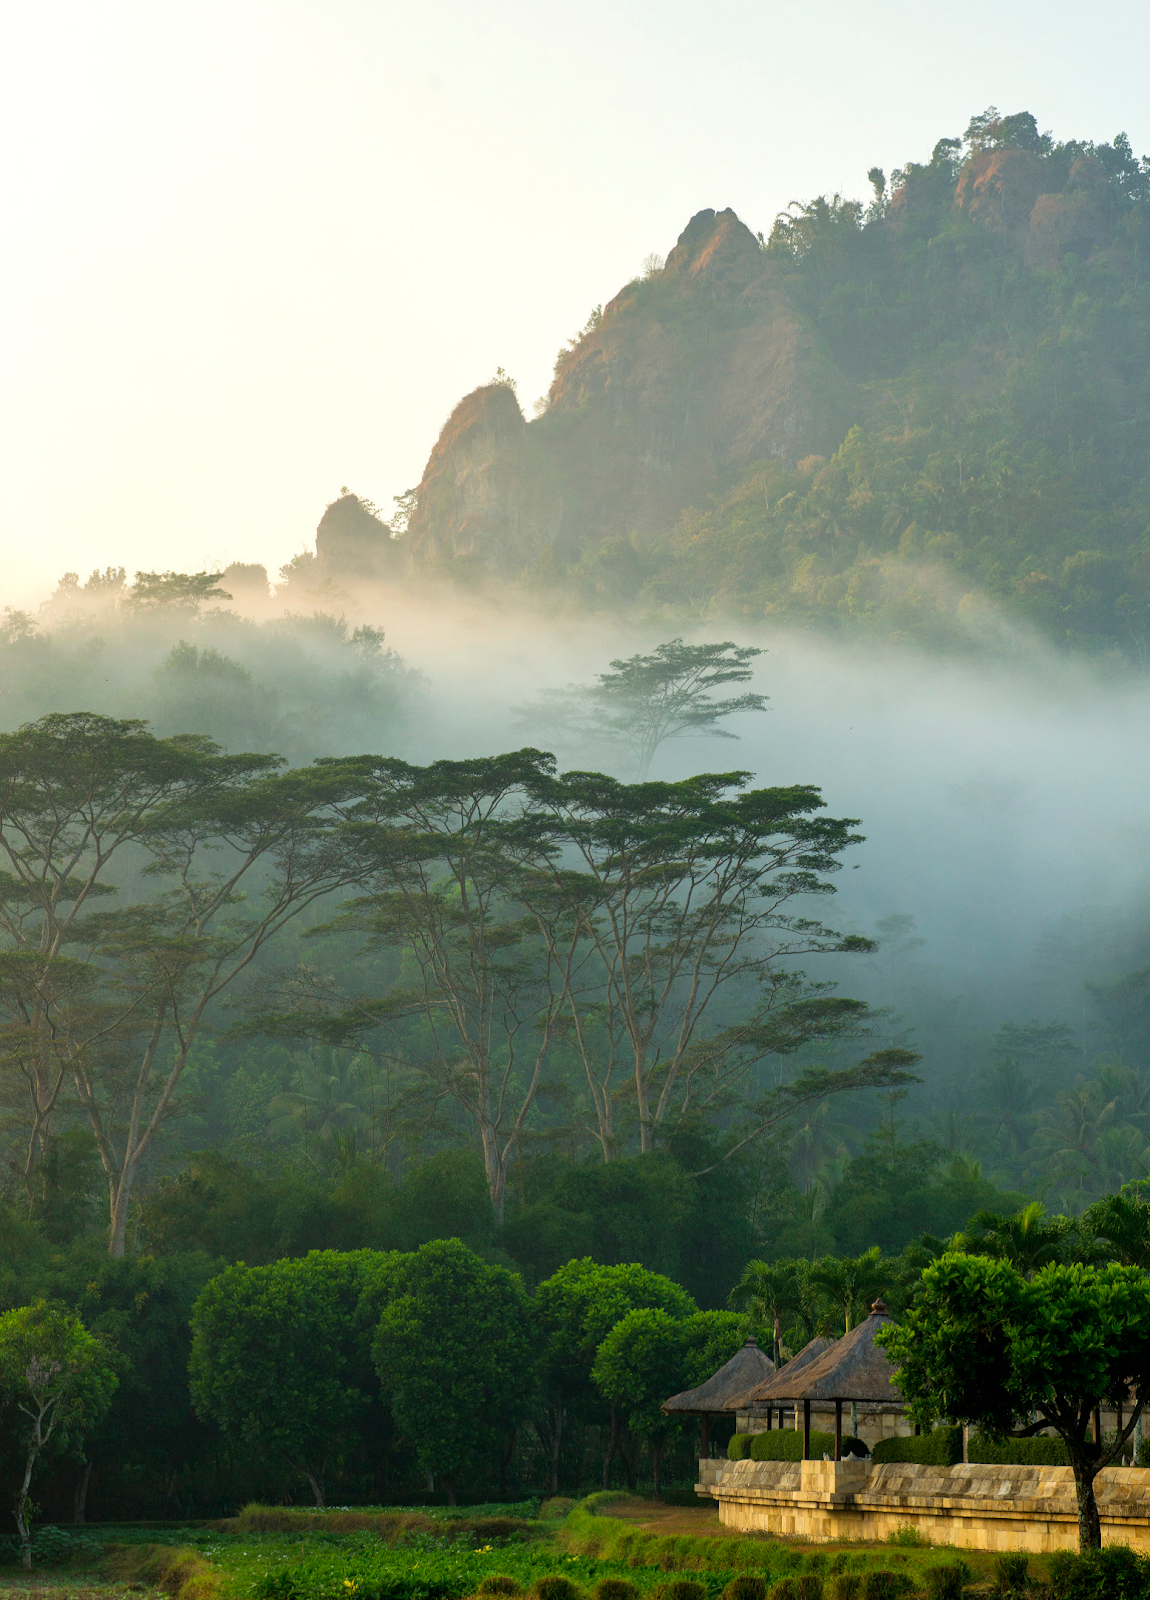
(353, 542)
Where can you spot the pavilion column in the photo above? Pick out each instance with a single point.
(806, 1430)
(838, 1430)
(770, 1418)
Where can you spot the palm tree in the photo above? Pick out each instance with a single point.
(771, 1292)
(1123, 1220)
(851, 1284)
(1026, 1240)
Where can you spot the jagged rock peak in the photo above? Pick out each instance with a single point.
(716, 244)
(352, 540)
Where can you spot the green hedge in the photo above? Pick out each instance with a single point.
(1041, 1451)
(942, 1448)
(781, 1444)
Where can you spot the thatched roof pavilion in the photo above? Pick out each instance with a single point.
(781, 1387)
(750, 1365)
(853, 1369)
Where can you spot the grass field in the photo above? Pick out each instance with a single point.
(278, 1553)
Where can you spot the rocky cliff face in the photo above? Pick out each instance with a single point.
(787, 431)
(701, 367)
(353, 542)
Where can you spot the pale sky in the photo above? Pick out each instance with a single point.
(255, 251)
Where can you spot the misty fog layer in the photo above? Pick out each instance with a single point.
(1002, 799)
(1003, 803)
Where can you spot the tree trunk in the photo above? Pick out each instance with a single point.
(449, 1491)
(612, 1445)
(316, 1486)
(80, 1502)
(23, 1528)
(121, 1199)
(1089, 1527)
(656, 1466)
(556, 1441)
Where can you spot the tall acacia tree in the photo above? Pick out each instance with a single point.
(473, 999)
(983, 1344)
(687, 894)
(235, 849)
(645, 700)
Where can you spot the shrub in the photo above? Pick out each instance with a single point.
(484, 1529)
(556, 1587)
(681, 1589)
(1113, 1573)
(784, 1444)
(560, 1505)
(941, 1448)
(747, 1586)
(1041, 1451)
(946, 1583)
(1011, 1575)
(500, 1583)
(615, 1589)
(882, 1585)
(811, 1586)
(739, 1446)
(785, 1589)
(846, 1586)
(907, 1535)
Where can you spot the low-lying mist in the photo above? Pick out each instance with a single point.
(1002, 800)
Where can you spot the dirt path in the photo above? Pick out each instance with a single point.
(654, 1517)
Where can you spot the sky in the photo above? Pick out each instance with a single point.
(258, 251)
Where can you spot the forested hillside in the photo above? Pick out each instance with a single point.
(912, 418)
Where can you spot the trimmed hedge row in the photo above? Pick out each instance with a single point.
(782, 1444)
(941, 1448)
(1040, 1451)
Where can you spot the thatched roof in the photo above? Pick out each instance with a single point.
(781, 1386)
(749, 1365)
(854, 1368)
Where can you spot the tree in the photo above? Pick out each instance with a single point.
(640, 1363)
(645, 700)
(574, 1311)
(116, 998)
(685, 894)
(472, 1009)
(851, 1285)
(983, 1344)
(771, 1292)
(1027, 1240)
(56, 1381)
(275, 1361)
(454, 1355)
(1123, 1221)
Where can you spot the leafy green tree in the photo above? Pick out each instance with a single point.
(771, 1292)
(640, 1363)
(1027, 1240)
(684, 894)
(646, 700)
(275, 1361)
(56, 1381)
(115, 999)
(455, 1358)
(851, 1284)
(438, 851)
(1123, 1222)
(574, 1311)
(983, 1344)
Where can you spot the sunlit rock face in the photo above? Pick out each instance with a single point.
(701, 365)
(484, 496)
(352, 542)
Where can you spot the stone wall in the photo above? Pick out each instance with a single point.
(972, 1506)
